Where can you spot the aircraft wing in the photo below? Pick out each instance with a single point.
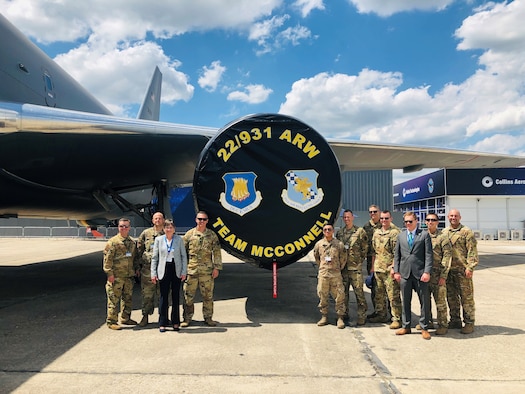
(373, 156)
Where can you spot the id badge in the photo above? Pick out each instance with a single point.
(128, 254)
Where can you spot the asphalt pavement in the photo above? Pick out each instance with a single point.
(53, 337)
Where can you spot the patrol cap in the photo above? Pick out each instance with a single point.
(368, 280)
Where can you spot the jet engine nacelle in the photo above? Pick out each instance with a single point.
(268, 183)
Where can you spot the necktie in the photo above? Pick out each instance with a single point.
(410, 239)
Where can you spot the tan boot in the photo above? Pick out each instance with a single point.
(340, 322)
(323, 321)
(186, 322)
(361, 321)
(210, 322)
(468, 328)
(395, 325)
(144, 322)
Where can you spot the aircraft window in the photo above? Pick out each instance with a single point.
(49, 84)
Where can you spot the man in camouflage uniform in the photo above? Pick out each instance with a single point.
(150, 290)
(460, 287)
(120, 266)
(330, 256)
(383, 246)
(355, 242)
(204, 263)
(442, 251)
(373, 224)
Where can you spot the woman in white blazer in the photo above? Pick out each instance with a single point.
(169, 266)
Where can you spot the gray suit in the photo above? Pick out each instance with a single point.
(411, 263)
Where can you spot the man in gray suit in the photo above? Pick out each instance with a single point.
(412, 267)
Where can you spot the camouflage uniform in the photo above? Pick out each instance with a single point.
(120, 262)
(442, 259)
(204, 255)
(329, 277)
(369, 228)
(150, 291)
(355, 242)
(383, 246)
(460, 289)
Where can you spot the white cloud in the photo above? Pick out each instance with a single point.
(120, 78)
(307, 6)
(389, 7)
(211, 76)
(372, 106)
(116, 53)
(252, 94)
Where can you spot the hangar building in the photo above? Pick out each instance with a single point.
(491, 201)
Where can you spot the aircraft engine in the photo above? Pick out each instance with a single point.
(269, 183)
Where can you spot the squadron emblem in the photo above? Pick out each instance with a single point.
(302, 192)
(240, 195)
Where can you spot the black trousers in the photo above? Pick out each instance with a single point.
(169, 281)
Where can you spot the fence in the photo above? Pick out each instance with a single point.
(69, 232)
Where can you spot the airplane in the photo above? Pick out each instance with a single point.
(63, 154)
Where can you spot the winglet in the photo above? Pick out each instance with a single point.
(150, 108)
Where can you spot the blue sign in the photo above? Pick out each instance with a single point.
(491, 182)
(427, 186)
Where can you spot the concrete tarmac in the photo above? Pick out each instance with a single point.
(53, 337)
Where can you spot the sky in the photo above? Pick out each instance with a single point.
(438, 73)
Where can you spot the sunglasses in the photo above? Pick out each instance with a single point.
(372, 211)
(409, 221)
(123, 226)
(328, 229)
(384, 218)
(431, 220)
(202, 219)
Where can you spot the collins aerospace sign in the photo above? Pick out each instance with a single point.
(492, 182)
(268, 183)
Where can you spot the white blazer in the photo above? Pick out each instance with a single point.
(160, 254)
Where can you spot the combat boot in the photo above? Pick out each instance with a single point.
(323, 321)
(186, 322)
(454, 324)
(210, 322)
(340, 322)
(378, 319)
(395, 325)
(361, 321)
(114, 326)
(468, 328)
(128, 322)
(144, 322)
(441, 330)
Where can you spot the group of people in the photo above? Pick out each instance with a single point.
(163, 260)
(434, 263)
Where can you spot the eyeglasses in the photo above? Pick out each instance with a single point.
(431, 220)
(384, 218)
(372, 211)
(123, 226)
(328, 229)
(202, 219)
(409, 221)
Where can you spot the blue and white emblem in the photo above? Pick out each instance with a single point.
(240, 195)
(302, 192)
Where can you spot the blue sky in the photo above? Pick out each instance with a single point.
(445, 73)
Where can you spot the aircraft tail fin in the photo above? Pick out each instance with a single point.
(150, 108)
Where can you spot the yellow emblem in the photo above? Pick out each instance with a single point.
(303, 186)
(240, 189)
